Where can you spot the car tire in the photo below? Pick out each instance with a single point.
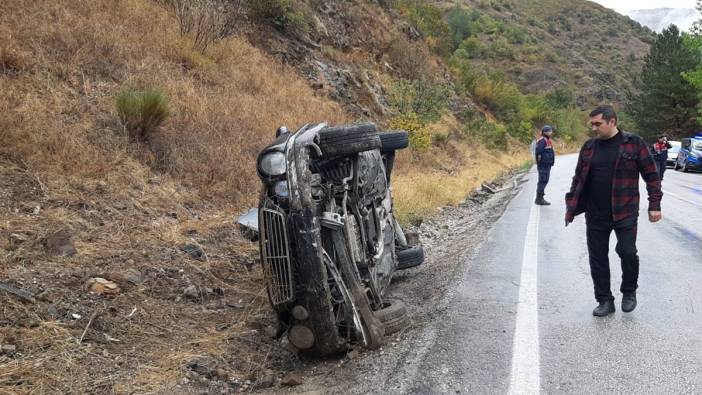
(393, 141)
(347, 140)
(410, 257)
(393, 316)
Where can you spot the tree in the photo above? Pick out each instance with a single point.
(666, 102)
(693, 42)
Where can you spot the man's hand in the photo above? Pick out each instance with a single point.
(654, 216)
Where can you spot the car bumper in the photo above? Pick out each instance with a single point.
(694, 166)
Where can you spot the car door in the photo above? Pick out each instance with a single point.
(684, 151)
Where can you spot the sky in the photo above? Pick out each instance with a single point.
(626, 5)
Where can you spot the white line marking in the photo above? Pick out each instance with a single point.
(525, 377)
(681, 198)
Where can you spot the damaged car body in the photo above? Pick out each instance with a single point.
(329, 240)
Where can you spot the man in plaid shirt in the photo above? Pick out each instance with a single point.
(606, 188)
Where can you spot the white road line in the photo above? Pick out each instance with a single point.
(525, 377)
(681, 198)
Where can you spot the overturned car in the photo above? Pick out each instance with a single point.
(329, 240)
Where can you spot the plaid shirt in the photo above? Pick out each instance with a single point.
(634, 158)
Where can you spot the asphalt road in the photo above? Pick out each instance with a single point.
(520, 319)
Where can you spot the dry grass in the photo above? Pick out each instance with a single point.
(67, 61)
(446, 176)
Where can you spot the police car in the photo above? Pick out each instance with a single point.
(690, 154)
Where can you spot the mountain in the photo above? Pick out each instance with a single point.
(582, 44)
(660, 18)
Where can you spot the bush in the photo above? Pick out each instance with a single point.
(560, 97)
(472, 48)
(409, 60)
(517, 35)
(489, 25)
(142, 112)
(524, 131)
(464, 74)
(430, 21)
(282, 13)
(419, 135)
(419, 97)
(462, 24)
(208, 20)
(493, 134)
(502, 49)
(503, 99)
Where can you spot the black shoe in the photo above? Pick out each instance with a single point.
(604, 308)
(540, 200)
(628, 303)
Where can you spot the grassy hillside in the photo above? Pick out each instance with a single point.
(544, 43)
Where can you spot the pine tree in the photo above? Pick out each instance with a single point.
(666, 102)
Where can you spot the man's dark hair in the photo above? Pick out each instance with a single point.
(606, 111)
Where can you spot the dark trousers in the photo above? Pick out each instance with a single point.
(598, 232)
(544, 175)
(661, 168)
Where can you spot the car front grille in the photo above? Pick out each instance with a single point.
(275, 253)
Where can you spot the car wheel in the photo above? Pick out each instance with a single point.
(393, 316)
(347, 140)
(410, 257)
(393, 140)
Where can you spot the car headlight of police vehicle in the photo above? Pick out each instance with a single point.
(273, 164)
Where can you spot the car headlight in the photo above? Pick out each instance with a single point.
(273, 164)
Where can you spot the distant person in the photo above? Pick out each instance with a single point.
(545, 158)
(660, 154)
(605, 188)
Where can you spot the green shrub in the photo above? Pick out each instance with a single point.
(489, 25)
(461, 24)
(493, 134)
(524, 131)
(281, 13)
(430, 21)
(464, 74)
(516, 35)
(472, 48)
(503, 99)
(420, 97)
(419, 135)
(560, 97)
(502, 49)
(142, 112)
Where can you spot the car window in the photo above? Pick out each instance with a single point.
(697, 144)
(675, 149)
